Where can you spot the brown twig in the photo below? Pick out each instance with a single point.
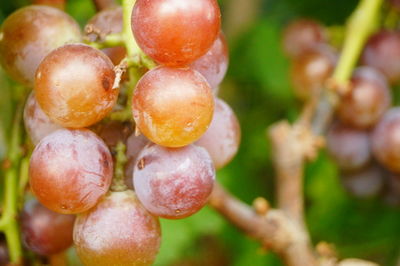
(274, 230)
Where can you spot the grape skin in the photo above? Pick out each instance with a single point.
(29, 34)
(45, 232)
(172, 107)
(173, 183)
(37, 124)
(74, 85)
(118, 231)
(302, 35)
(365, 183)
(311, 69)
(175, 32)
(385, 140)
(222, 138)
(70, 170)
(367, 100)
(214, 64)
(349, 147)
(382, 51)
(109, 21)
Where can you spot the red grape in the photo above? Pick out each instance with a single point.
(74, 85)
(214, 64)
(383, 52)
(365, 183)
(173, 183)
(349, 147)
(301, 35)
(118, 231)
(368, 99)
(29, 34)
(45, 232)
(70, 170)
(311, 69)
(386, 140)
(172, 107)
(222, 138)
(175, 32)
(134, 146)
(109, 21)
(37, 124)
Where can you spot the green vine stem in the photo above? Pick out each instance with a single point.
(8, 221)
(359, 27)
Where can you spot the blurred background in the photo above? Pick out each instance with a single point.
(258, 88)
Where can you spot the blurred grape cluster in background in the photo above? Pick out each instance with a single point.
(258, 88)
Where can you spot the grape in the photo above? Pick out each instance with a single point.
(175, 32)
(45, 232)
(37, 123)
(365, 183)
(302, 35)
(70, 170)
(112, 132)
(173, 183)
(349, 147)
(368, 99)
(172, 106)
(134, 146)
(222, 138)
(383, 52)
(214, 63)
(109, 21)
(29, 34)
(386, 141)
(74, 85)
(118, 231)
(311, 69)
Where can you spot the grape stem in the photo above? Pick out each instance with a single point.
(120, 161)
(283, 230)
(8, 221)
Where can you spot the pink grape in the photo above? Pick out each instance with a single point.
(172, 107)
(349, 147)
(45, 232)
(118, 231)
(29, 34)
(175, 32)
(214, 64)
(222, 138)
(70, 170)
(386, 141)
(37, 124)
(173, 183)
(367, 100)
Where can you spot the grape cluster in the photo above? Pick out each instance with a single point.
(186, 131)
(364, 139)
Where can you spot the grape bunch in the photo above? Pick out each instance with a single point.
(364, 139)
(178, 132)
